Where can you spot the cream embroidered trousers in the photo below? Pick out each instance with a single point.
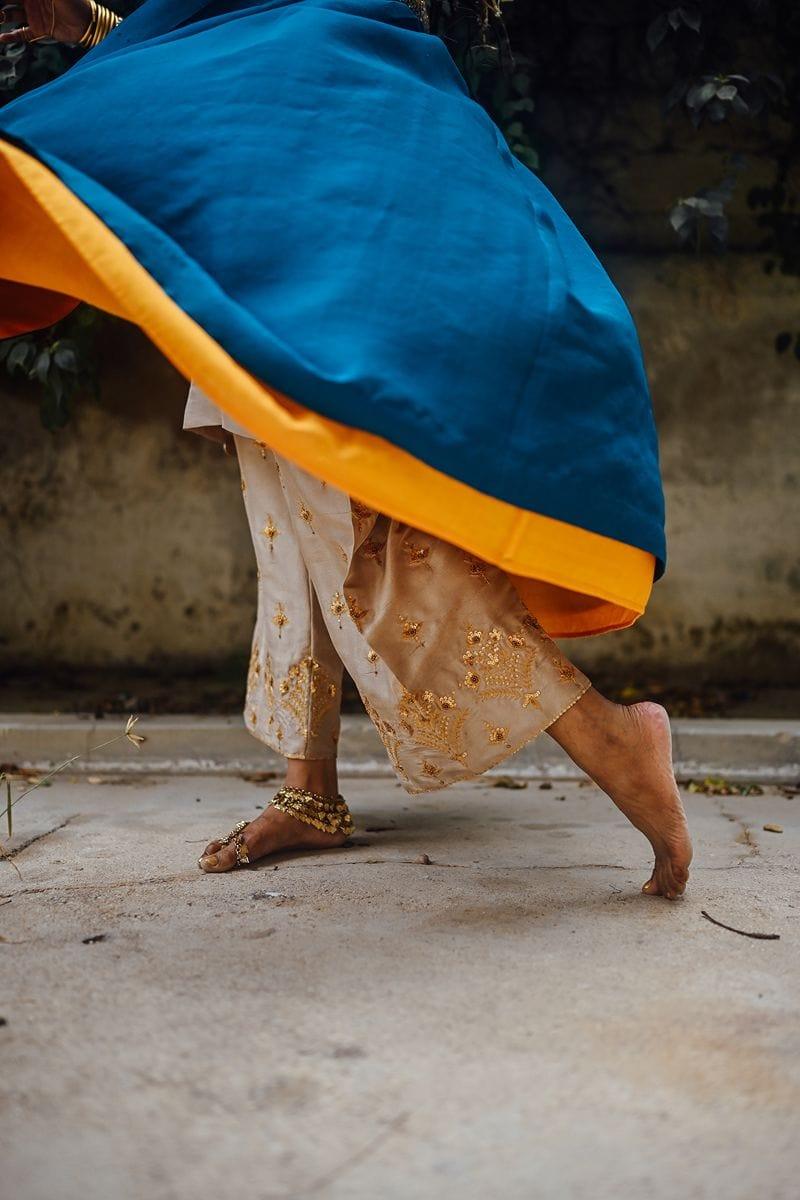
(453, 670)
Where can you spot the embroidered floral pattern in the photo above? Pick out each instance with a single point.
(476, 568)
(373, 549)
(499, 665)
(280, 619)
(357, 613)
(338, 606)
(427, 724)
(416, 556)
(270, 531)
(360, 513)
(305, 514)
(411, 630)
(307, 694)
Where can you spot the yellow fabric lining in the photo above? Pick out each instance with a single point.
(55, 251)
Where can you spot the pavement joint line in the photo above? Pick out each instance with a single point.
(752, 750)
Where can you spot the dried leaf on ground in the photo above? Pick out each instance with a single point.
(715, 785)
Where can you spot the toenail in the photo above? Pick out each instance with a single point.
(209, 860)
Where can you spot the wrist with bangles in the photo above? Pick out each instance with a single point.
(101, 23)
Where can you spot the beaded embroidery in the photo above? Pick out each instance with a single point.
(500, 666)
(308, 694)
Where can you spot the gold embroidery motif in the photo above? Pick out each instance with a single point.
(306, 515)
(411, 630)
(269, 690)
(264, 448)
(308, 694)
(372, 549)
(477, 568)
(387, 734)
(343, 552)
(270, 531)
(431, 769)
(417, 556)
(243, 482)
(251, 716)
(372, 658)
(357, 613)
(338, 606)
(360, 513)
(280, 619)
(500, 666)
(566, 671)
(253, 669)
(428, 725)
(497, 733)
(531, 700)
(447, 702)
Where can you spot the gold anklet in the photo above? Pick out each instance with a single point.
(329, 814)
(102, 21)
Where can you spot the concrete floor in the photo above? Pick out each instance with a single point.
(510, 1020)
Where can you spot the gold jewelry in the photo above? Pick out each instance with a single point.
(329, 814)
(101, 23)
(235, 836)
(24, 32)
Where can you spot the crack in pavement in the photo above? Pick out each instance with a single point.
(39, 836)
(745, 836)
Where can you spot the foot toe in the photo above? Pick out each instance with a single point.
(222, 860)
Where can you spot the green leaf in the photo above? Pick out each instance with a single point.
(20, 356)
(41, 367)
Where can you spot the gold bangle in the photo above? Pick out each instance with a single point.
(101, 23)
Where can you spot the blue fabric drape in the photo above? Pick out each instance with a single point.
(311, 182)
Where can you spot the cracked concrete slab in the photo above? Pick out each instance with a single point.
(510, 1019)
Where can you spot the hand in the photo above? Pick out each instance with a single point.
(63, 20)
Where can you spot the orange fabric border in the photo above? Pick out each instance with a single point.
(54, 251)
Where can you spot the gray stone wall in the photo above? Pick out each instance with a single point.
(123, 539)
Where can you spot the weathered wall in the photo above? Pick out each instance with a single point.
(123, 539)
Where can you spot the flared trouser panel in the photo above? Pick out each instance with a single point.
(452, 668)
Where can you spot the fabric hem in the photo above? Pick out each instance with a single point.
(508, 754)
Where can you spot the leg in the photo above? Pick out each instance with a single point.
(627, 751)
(294, 681)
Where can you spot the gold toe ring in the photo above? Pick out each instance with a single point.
(235, 836)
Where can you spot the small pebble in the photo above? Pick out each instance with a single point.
(424, 859)
(773, 828)
(545, 787)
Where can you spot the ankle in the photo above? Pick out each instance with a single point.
(313, 774)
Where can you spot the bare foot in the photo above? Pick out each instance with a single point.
(270, 832)
(273, 830)
(627, 750)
